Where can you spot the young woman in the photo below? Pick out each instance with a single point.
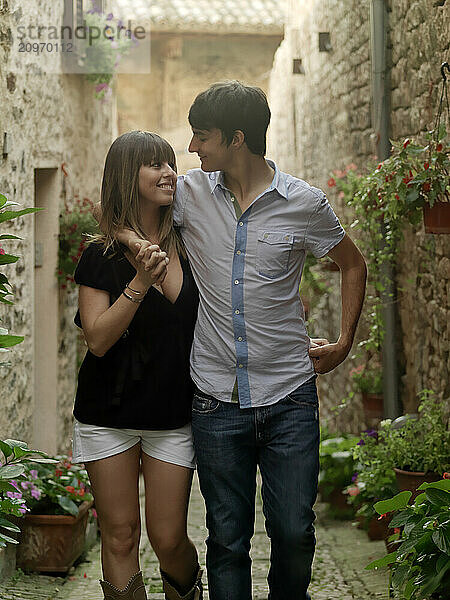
(133, 401)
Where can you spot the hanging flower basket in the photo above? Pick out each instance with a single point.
(436, 218)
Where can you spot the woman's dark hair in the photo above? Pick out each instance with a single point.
(120, 200)
(232, 106)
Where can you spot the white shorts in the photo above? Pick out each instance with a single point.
(92, 442)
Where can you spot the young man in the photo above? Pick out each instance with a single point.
(247, 227)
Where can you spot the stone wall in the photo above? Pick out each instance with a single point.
(50, 119)
(322, 121)
(182, 65)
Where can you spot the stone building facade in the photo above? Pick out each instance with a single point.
(322, 121)
(195, 43)
(50, 125)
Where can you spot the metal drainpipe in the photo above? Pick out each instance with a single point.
(381, 123)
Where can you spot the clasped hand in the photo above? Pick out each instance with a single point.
(150, 262)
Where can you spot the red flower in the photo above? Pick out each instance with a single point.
(397, 530)
(439, 148)
(70, 489)
(406, 143)
(382, 516)
(331, 182)
(397, 197)
(58, 472)
(446, 476)
(2, 252)
(426, 186)
(379, 166)
(426, 166)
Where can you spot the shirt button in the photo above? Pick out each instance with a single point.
(238, 252)
(241, 366)
(266, 235)
(232, 199)
(237, 311)
(239, 339)
(286, 237)
(236, 281)
(240, 223)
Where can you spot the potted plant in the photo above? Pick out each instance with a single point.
(76, 224)
(420, 565)
(420, 449)
(58, 498)
(100, 56)
(373, 480)
(414, 180)
(336, 470)
(368, 379)
(12, 504)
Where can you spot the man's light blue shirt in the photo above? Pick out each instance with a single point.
(251, 324)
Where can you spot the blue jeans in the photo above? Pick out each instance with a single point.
(283, 440)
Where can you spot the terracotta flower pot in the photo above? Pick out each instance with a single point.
(378, 529)
(372, 405)
(410, 480)
(437, 218)
(52, 542)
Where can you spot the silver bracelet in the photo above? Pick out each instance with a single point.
(134, 291)
(135, 300)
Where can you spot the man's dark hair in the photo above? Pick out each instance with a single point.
(230, 106)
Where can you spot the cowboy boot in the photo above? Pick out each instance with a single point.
(195, 593)
(135, 589)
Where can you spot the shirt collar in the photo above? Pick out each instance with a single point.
(279, 182)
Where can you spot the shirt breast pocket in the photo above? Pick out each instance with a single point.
(273, 252)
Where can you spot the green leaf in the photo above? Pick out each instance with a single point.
(14, 443)
(420, 499)
(412, 196)
(401, 519)
(442, 484)
(415, 542)
(8, 236)
(8, 525)
(400, 575)
(20, 452)
(8, 215)
(7, 259)
(68, 505)
(396, 503)
(7, 341)
(3, 200)
(5, 486)
(11, 471)
(438, 497)
(6, 449)
(441, 537)
(382, 562)
(6, 538)
(433, 583)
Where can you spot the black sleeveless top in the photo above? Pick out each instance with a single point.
(143, 381)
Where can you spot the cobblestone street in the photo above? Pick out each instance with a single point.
(339, 574)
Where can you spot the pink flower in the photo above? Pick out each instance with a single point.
(36, 493)
(34, 474)
(353, 491)
(331, 182)
(2, 252)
